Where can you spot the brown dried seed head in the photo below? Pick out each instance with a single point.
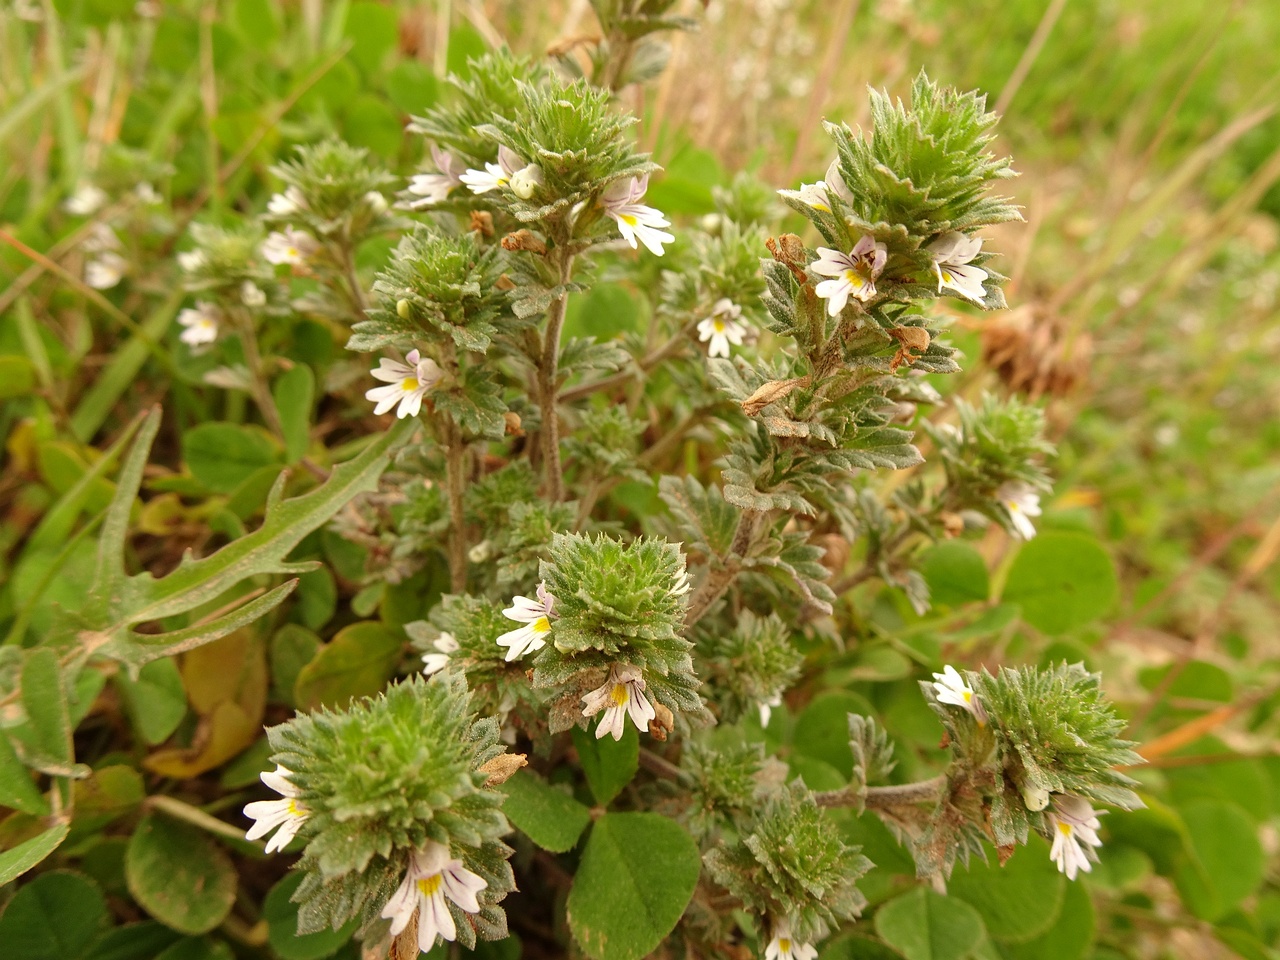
(524, 240)
(501, 768)
(482, 222)
(513, 424)
(662, 723)
(771, 392)
(913, 338)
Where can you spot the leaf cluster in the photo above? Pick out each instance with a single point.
(791, 864)
(618, 602)
(339, 187)
(751, 664)
(382, 778)
(571, 130)
(434, 288)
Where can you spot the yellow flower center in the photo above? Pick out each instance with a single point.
(1064, 828)
(784, 945)
(851, 277)
(295, 808)
(718, 325)
(629, 219)
(968, 695)
(429, 885)
(1012, 506)
(292, 252)
(409, 384)
(619, 695)
(542, 625)
(946, 277)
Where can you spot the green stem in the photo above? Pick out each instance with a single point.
(180, 810)
(548, 376)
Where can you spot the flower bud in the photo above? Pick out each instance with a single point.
(403, 310)
(1036, 798)
(525, 182)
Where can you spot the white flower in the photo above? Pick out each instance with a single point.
(286, 204)
(251, 294)
(682, 585)
(494, 175)
(525, 181)
(192, 260)
(1074, 824)
(407, 383)
(621, 694)
(86, 201)
(722, 328)
(201, 324)
(288, 813)
(951, 254)
(435, 187)
(376, 201)
(811, 194)
(147, 194)
(834, 182)
(636, 221)
(432, 878)
(766, 708)
(291, 246)
(105, 271)
(1022, 503)
(435, 662)
(536, 616)
(950, 687)
(854, 272)
(782, 947)
(99, 238)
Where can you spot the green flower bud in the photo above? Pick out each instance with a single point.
(403, 310)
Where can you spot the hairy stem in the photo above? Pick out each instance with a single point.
(548, 375)
(456, 480)
(901, 795)
(718, 579)
(258, 381)
(643, 366)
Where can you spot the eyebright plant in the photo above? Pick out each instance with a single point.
(605, 597)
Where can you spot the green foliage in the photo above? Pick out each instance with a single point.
(726, 783)
(750, 666)
(492, 86)
(924, 925)
(924, 167)
(637, 875)
(179, 875)
(334, 181)
(435, 289)
(549, 817)
(1061, 581)
(380, 780)
(790, 864)
(569, 130)
(618, 602)
(806, 534)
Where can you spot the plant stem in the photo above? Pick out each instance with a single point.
(548, 375)
(192, 815)
(718, 579)
(643, 366)
(456, 480)
(901, 795)
(258, 381)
